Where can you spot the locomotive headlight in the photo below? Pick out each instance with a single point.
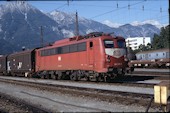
(125, 58)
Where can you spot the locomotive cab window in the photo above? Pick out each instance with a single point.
(121, 43)
(108, 43)
(91, 44)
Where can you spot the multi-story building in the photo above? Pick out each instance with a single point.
(134, 42)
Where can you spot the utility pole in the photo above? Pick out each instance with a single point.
(128, 44)
(143, 44)
(144, 41)
(169, 11)
(42, 41)
(77, 26)
(68, 2)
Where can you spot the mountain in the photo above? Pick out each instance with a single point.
(152, 22)
(67, 25)
(146, 30)
(20, 26)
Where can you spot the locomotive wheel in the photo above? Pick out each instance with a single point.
(99, 79)
(87, 78)
(54, 76)
(47, 76)
(43, 77)
(107, 79)
(58, 75)
(74, 76)
(78, 77)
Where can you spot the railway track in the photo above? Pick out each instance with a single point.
(156, 72)
(103, 94)
(108, 95)
(90, 86)
(133, 81)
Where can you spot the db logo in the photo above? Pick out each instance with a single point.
(117, 53)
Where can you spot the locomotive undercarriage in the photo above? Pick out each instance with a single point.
(77, 75)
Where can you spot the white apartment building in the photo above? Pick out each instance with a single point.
(134, 42)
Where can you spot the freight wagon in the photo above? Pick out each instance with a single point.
(153, 58)
(3, 65)
(21, 63)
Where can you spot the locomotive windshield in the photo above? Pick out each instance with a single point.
(121, 43)
(108, 43)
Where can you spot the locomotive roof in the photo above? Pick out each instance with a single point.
(77, 39)
(88, 36)
(152, 51)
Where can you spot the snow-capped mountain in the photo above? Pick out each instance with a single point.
(146, 30)
(111, 24)
(152, 22)
(20, 26)
(67, 24)
(135, 23)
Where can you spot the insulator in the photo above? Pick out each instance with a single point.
(143, 7)
(161, 9)
(128, 6)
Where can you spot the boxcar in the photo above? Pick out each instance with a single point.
(3, 64)
(21, 63)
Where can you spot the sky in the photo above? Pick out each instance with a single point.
(111, 11)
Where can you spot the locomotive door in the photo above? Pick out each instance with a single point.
(91, 54)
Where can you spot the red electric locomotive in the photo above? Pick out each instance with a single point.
(96, 56)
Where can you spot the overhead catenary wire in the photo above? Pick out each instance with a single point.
(158, 17)
(63, 5)
(116, 9)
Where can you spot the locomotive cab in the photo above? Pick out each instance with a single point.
(115, 52)
(94, 56)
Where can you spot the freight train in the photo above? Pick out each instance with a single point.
(95, 56)
(154, 58)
